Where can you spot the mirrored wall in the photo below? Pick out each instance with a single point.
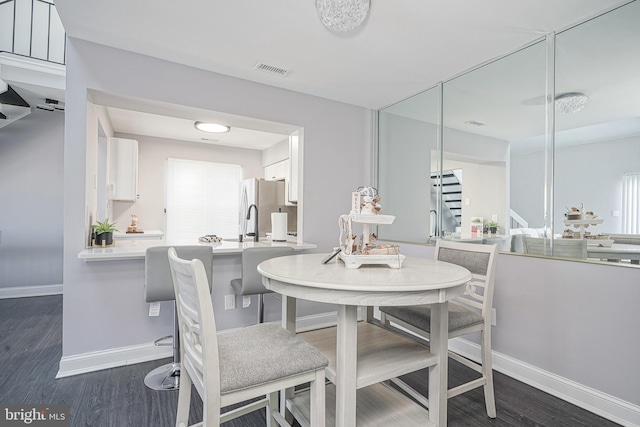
(538, 151)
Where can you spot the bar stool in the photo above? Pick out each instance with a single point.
(158, 286)
(251, 281)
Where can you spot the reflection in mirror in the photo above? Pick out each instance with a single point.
(496, 130)
(487, 112)
(597, 151)
(407, 150)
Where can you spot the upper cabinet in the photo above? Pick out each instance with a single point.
(287, 169)
(123, 169)
(277, 171)
(294, 161)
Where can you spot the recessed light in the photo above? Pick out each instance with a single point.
(211, 127)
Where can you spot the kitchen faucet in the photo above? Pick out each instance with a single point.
(255, 233)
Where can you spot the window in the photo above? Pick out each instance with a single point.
(631, 203)
(202, 198)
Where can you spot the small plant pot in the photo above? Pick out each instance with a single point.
(493, 230)
(106, 237)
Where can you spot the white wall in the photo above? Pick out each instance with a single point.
(152, 156)
(484, 186)
(104, 299)
(31, 194)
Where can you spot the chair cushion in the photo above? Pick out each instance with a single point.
(419, 316)
(263, 353)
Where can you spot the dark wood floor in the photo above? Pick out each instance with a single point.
(30, 350)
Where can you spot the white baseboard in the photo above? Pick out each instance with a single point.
(30, 291)
(98, 360)
(607, 406)
(112, 358)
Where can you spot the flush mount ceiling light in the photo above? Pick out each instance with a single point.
(211, 127)
(342, 15)
(572, 102)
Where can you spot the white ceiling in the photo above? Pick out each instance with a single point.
(597, 58)
(402, 48)
(142, 123)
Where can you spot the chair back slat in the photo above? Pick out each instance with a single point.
(197, 327)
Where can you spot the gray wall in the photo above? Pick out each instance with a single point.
(589, 174)
(574, 319)
(31, 194)
(104, 300)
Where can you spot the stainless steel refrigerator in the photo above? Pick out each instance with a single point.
(268, 196)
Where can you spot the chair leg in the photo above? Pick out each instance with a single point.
(317, 400)
(167, 377)
(272, 406)
(184, 401)
(487, 373)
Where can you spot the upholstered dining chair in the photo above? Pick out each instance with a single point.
(566, 248)
(242, 364)
(469, 313)
(251, 281)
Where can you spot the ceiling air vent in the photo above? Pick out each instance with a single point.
(271, 69)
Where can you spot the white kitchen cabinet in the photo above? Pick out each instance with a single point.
(277, 171)
(123, 169)
(292, 182)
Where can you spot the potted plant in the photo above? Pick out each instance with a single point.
(493, 227)
(104, 232)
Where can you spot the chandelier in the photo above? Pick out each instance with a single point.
(571, 102)
(342, 15)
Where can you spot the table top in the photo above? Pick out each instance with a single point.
(416, 274)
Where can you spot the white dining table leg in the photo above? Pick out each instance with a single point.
(346, 365)
(288, 323)
(438, 342)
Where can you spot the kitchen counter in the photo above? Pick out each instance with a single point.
(135, 249)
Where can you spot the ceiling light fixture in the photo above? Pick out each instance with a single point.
(211, 127)
(572, 102)
(342, 15)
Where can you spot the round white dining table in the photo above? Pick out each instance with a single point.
(419, 281)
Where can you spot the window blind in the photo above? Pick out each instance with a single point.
(202, 198)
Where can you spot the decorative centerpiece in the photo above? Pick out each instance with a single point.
(133, 228)
(581, 220)
(364, 249)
